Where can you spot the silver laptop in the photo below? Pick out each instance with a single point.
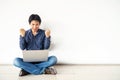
(35, 55)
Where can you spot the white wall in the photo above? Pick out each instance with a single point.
(83, 31)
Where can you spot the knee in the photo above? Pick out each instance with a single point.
(17, 61)
(52, 59)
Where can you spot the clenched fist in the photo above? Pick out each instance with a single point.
(47, 33)
(22, 32)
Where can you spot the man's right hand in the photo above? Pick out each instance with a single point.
(22, 32)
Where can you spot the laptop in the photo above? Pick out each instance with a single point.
(35, 55)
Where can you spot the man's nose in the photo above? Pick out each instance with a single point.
(35, 26)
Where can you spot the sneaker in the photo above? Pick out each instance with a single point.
(23, 72)
(51, 70)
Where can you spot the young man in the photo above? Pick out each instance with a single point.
(35, 39)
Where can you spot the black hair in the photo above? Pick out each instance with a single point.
(34, 17)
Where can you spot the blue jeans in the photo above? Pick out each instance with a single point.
(35, 68)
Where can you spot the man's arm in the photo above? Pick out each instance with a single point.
(47, 39)
(47, 42)
(22, 42)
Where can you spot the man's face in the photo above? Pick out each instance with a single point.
(34, 25)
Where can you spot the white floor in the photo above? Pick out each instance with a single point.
(66, 72)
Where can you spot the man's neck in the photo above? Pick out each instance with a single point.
(34, 32)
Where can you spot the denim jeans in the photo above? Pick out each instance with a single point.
(35, 68)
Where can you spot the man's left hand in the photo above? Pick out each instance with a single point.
(47, 33)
